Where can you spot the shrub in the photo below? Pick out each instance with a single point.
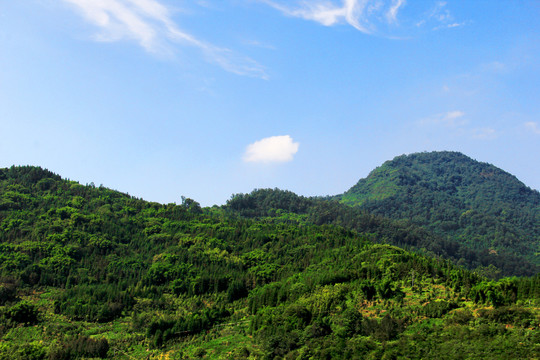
(7, 293)
(23, 313)
(80, 347)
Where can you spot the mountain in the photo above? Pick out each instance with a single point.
(274, 203)
(476, 204)
(89, 272)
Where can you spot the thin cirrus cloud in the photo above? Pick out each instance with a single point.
(149, 23)
(357, 13)
(441, 16)
(456, 122)
(533, 127)
(450, 119)
(274, 149)
(364, 15)
(392, 13)
(484, 133)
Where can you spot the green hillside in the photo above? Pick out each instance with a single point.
(403, 233)
(454, 196)
(88, 272)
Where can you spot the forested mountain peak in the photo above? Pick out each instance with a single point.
(457, 197)
(441, 171)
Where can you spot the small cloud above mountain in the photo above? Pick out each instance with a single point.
(272, 149)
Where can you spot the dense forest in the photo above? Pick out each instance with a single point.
(274, 203)
(477, 205)
(89, 272)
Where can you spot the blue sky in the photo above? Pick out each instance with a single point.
(162, 98)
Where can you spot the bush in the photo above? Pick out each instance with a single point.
(509, 315)
(30, 352)
(199, 352)
(237, 290)
(23, 313)
(388, 329)
(437, 309)
(7, 293)
(23, 352)
(460, 317)
(81, 347)
(240, 353)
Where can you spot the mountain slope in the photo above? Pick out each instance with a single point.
(273, 203)
(474, 203)
(89, 272)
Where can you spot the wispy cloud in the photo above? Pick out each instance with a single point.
(259, 44)
(484, 133)
(357, 13)
(449, 26)
(367, 16)
(150, 24)
(392, 13)
(441, 16)
(454, 25)
(495, 67)
(533, 127)
(272, 149)
(453, 115)
(456, 123)
(440, 12)
(450, 119)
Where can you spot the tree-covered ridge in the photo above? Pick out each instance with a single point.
(88, 272)
(286, 205)
(473, 203)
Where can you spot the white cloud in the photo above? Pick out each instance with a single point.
(357, 13)
(259, 44)
(150, 24)
(533, 126)
(365, 15)
(272, 149)
(439, 17)
(392, 13)
(450, 119)
(456, 123)
(484, 133)
(495, 67)
(448, 26)
(452, 115)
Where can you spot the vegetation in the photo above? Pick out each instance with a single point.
(473, 204)
(287, 206)
(88, 272)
